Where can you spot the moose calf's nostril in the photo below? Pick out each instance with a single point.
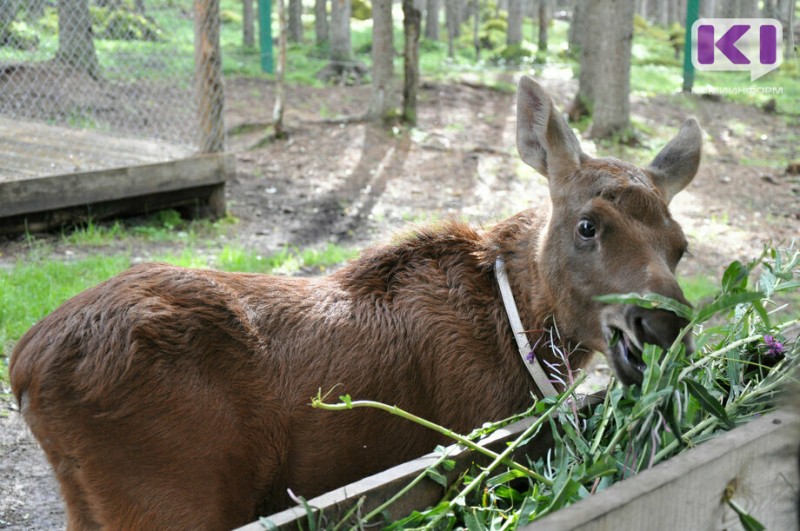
(638, 327)
(661, 328)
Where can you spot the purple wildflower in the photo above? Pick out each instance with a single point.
(774, 347)
(531, 357)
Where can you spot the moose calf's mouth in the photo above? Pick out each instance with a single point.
(625, 356)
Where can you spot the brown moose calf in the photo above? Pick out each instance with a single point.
(176, 398)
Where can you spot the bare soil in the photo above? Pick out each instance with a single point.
(356, 183)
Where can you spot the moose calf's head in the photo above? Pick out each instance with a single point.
(609, 231)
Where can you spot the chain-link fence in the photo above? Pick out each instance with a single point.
(127, 67)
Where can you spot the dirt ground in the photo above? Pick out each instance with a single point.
(358, 183)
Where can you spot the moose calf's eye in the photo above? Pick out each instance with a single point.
(586, 229)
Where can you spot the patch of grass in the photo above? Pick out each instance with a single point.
(33, 288)
(697, 288)
(94, 234)
(162, 226)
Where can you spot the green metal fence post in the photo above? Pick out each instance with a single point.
(692, 13)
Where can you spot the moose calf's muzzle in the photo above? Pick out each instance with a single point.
(628, 328)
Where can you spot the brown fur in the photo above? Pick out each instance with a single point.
(176, 398)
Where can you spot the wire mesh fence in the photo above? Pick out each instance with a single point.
(126, 67)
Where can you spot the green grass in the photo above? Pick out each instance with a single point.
(164, 226)
(33, 288)
(697, 288)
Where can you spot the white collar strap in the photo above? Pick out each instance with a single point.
(533, 366)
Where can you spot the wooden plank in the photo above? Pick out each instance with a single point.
(47, 134)
(36, 149)
(376, 489)
(757, 460)
(201, 201)
(62, 191)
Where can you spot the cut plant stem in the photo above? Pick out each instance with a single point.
(394, 410)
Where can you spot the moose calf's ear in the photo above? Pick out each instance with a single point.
(544, 140)
(676, 165)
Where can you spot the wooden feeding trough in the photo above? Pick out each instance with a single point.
(53, 175)
(755, 465)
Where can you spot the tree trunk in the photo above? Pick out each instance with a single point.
(748, 8)
(341, 46)
(708, 8)
(432, 9)
(641, 8)
(727, 8)
(209, 85)
(248, 24)
(611, 35)
(451, 21)
(662, 13)
(672, 12)
(784, 10)
(577, 28)
(75, 37)
(768, 11)
(381, 102)
(544, 23)
(321, 22)
(295, 20)
(280, 71)
(514, 35)
(476, 28)
(411, 27)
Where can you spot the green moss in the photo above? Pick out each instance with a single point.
(361, 9)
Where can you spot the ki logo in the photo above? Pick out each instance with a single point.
(752, 44)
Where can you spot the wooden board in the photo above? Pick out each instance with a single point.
(758, 460)
(32, 149)
(50, 176)
(60, 191)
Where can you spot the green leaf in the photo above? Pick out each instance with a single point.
(788, 286)
(652, 372)
(449, 464)
(505, 477)
(735, 278)
(650, 401)
(707, 401)
(564, 495)
(726, 302)
(673, 415)
(748, 522)
(346, 400)
(758, 306)
(473, 522)
(436, 476)
(601, 468)
(650, 301)
(528, 509)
